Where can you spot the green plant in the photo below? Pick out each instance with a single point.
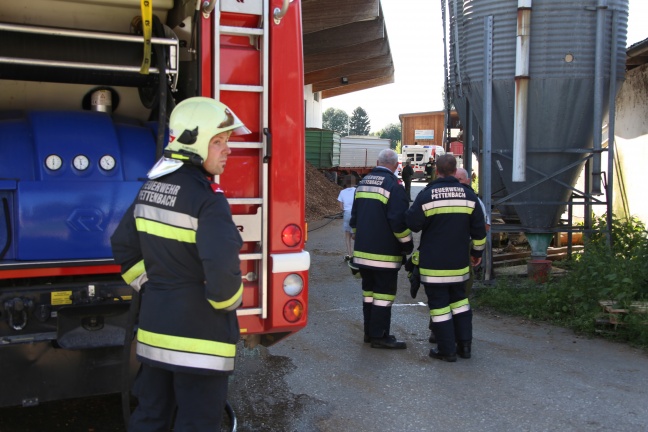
(619, 274)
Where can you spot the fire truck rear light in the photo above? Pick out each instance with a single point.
(293, 311)
(291, 235)
(293, 284)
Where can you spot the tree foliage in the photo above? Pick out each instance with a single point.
(359, 123)
(336, 120)
(393, 132)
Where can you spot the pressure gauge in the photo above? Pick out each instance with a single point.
(81, 162)
(107, 162)
(53, 162)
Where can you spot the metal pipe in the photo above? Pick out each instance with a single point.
(598, 95)
(485, 182)
(522, 49)
(456, 44)
(611, 123)
(446, 129)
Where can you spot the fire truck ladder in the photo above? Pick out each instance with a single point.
(256, 225)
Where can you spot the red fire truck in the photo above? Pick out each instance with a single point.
(86, 88)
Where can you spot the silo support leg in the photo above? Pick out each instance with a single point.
(539, 267)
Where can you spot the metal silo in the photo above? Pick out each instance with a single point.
(543, 112)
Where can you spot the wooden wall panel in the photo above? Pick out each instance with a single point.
(423, 121)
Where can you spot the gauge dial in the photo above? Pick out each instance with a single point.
(53, 162)
(81, 162)
(107, 162)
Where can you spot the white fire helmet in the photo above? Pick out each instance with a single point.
(195, 121)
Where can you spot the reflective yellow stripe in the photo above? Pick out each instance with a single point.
(165, 231)
(367, 296)
(460, 306)
(186, 359)
(177, 343)
(372, 189)
(165, 216)
(378, 261)
(444, 276)
(441, 315)
(230, 303)
(460, 303)
(458, 272)
(134, 272)
(403, 234)
(388, 258)
(372, 195)
(449, 203)
(384, 297)
(479, 244)
(448, 210)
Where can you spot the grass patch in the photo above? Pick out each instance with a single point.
(619, 274)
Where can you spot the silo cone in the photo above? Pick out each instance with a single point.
(561, 84)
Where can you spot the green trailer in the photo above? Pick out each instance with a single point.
(323, 148)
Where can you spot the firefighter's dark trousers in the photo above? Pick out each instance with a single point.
(450, 314)
(378, 294)
(200, 400)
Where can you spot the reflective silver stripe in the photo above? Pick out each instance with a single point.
(368, 299)
(384, 303)
(139, 281)
(374, 263)
(442, 318)
(405, 239)
(464, 308)
(479, 247)
(445, 279)
(168, 217)
(449, 203)
(373, 189)
(191, 360)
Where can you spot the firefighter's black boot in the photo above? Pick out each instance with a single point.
(463, 349)
(434, 353)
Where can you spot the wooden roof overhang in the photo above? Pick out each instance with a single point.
(346, 48)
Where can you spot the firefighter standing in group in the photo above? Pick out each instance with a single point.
(430, 170)
(178, 245)
(449, 215)
(381, 241)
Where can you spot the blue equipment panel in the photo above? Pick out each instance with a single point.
(66, 180)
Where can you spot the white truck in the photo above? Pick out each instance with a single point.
(419, 155)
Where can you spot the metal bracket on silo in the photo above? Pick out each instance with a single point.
(487, 132)
(456, 43)
(609, 193)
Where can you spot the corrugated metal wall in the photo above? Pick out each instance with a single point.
(322, 148)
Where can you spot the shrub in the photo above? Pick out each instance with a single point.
(619, 273)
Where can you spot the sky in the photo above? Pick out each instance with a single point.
(414, 29)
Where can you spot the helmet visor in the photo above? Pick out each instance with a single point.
(233, 123)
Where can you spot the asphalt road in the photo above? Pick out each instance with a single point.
(523, 376)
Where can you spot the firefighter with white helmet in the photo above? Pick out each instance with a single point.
(179, 247)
